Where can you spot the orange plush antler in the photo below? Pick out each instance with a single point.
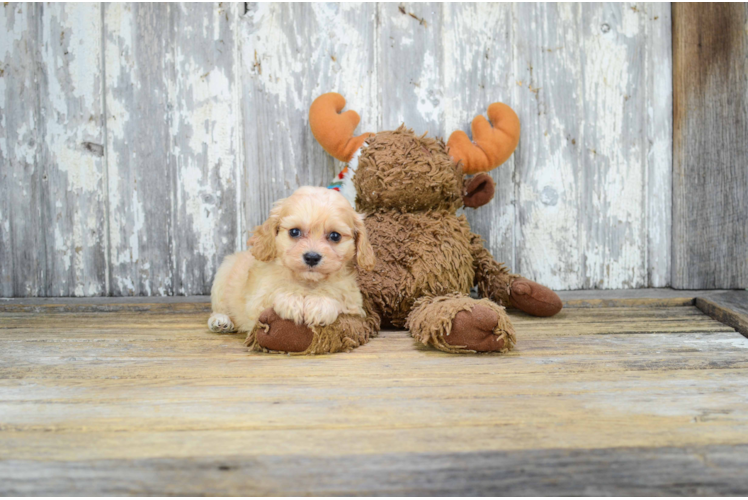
(332, 130)
(491, 146)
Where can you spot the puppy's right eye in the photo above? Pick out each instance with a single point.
(294, 233)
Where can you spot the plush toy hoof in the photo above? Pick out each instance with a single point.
(283, 334)
(474, 330)
(534, 298)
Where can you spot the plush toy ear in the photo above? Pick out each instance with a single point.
(364, 252)
(478, 191)
(262, 241)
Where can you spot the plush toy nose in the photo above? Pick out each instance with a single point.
(312, 258)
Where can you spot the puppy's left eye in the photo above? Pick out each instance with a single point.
(334, 237)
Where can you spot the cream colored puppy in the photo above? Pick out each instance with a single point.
(300, 263)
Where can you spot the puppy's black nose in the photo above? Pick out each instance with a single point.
(312, 258)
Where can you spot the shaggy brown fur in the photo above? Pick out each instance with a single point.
(417, 254)
(492, 278)
(400, 171)
(431, 322)
(427, 258)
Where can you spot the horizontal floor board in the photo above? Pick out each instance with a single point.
(104, 395)
(397, 343)
(629, 471)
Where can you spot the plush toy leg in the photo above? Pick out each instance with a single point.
(495, 282)
(275, 334)
(533, 298)
(459, 324)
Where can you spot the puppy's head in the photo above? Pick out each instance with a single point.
(314, 232)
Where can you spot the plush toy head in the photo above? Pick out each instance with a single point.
(403, 171)
(399, 170)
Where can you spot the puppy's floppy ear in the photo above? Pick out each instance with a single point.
(364, 252)
(262, 241)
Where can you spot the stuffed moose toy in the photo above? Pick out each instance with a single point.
(409, 188)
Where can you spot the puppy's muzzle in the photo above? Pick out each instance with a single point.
(312, 258)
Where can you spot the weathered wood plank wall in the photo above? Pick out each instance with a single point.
(710, 171)
(140, 142)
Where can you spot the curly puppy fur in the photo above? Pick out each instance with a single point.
(275, 271)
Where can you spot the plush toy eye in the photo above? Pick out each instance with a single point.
(334, 237)
(294, 233)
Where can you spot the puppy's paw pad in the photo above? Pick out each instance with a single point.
(220, 323)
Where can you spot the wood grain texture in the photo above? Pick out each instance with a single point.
(710, 144)
(290, 54)
(173, 181)
(410, 63)
(205, 133)
(658, 54)
(141, 177)
(639, 400)
(205, 126)
(73, 183)
(730, 308)
(585, 161)
(478, 70)
(667, 471)
(22, 236)
(549, 169)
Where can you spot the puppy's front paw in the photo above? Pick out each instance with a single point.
(289, 306)
(321, 311)
(220, 323)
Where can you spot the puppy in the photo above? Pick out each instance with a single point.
(300, 263)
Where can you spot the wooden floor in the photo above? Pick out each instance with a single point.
(641, 399)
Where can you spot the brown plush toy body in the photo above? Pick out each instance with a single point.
(410, 189)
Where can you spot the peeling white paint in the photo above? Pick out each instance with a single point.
(617, 259)
(583, 203)
(429, 98)
(659, 135)
(71, 106)
(272, 61)
(631, 19)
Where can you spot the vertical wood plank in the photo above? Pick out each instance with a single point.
(613, 146)
(710, 145)
(139, 64)
(22, 245)
(477, 41)
(291, 53)
(204, 141)
(73, 187)
(659, 112)
(592, 146)
(549, 99)
(410, 67)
